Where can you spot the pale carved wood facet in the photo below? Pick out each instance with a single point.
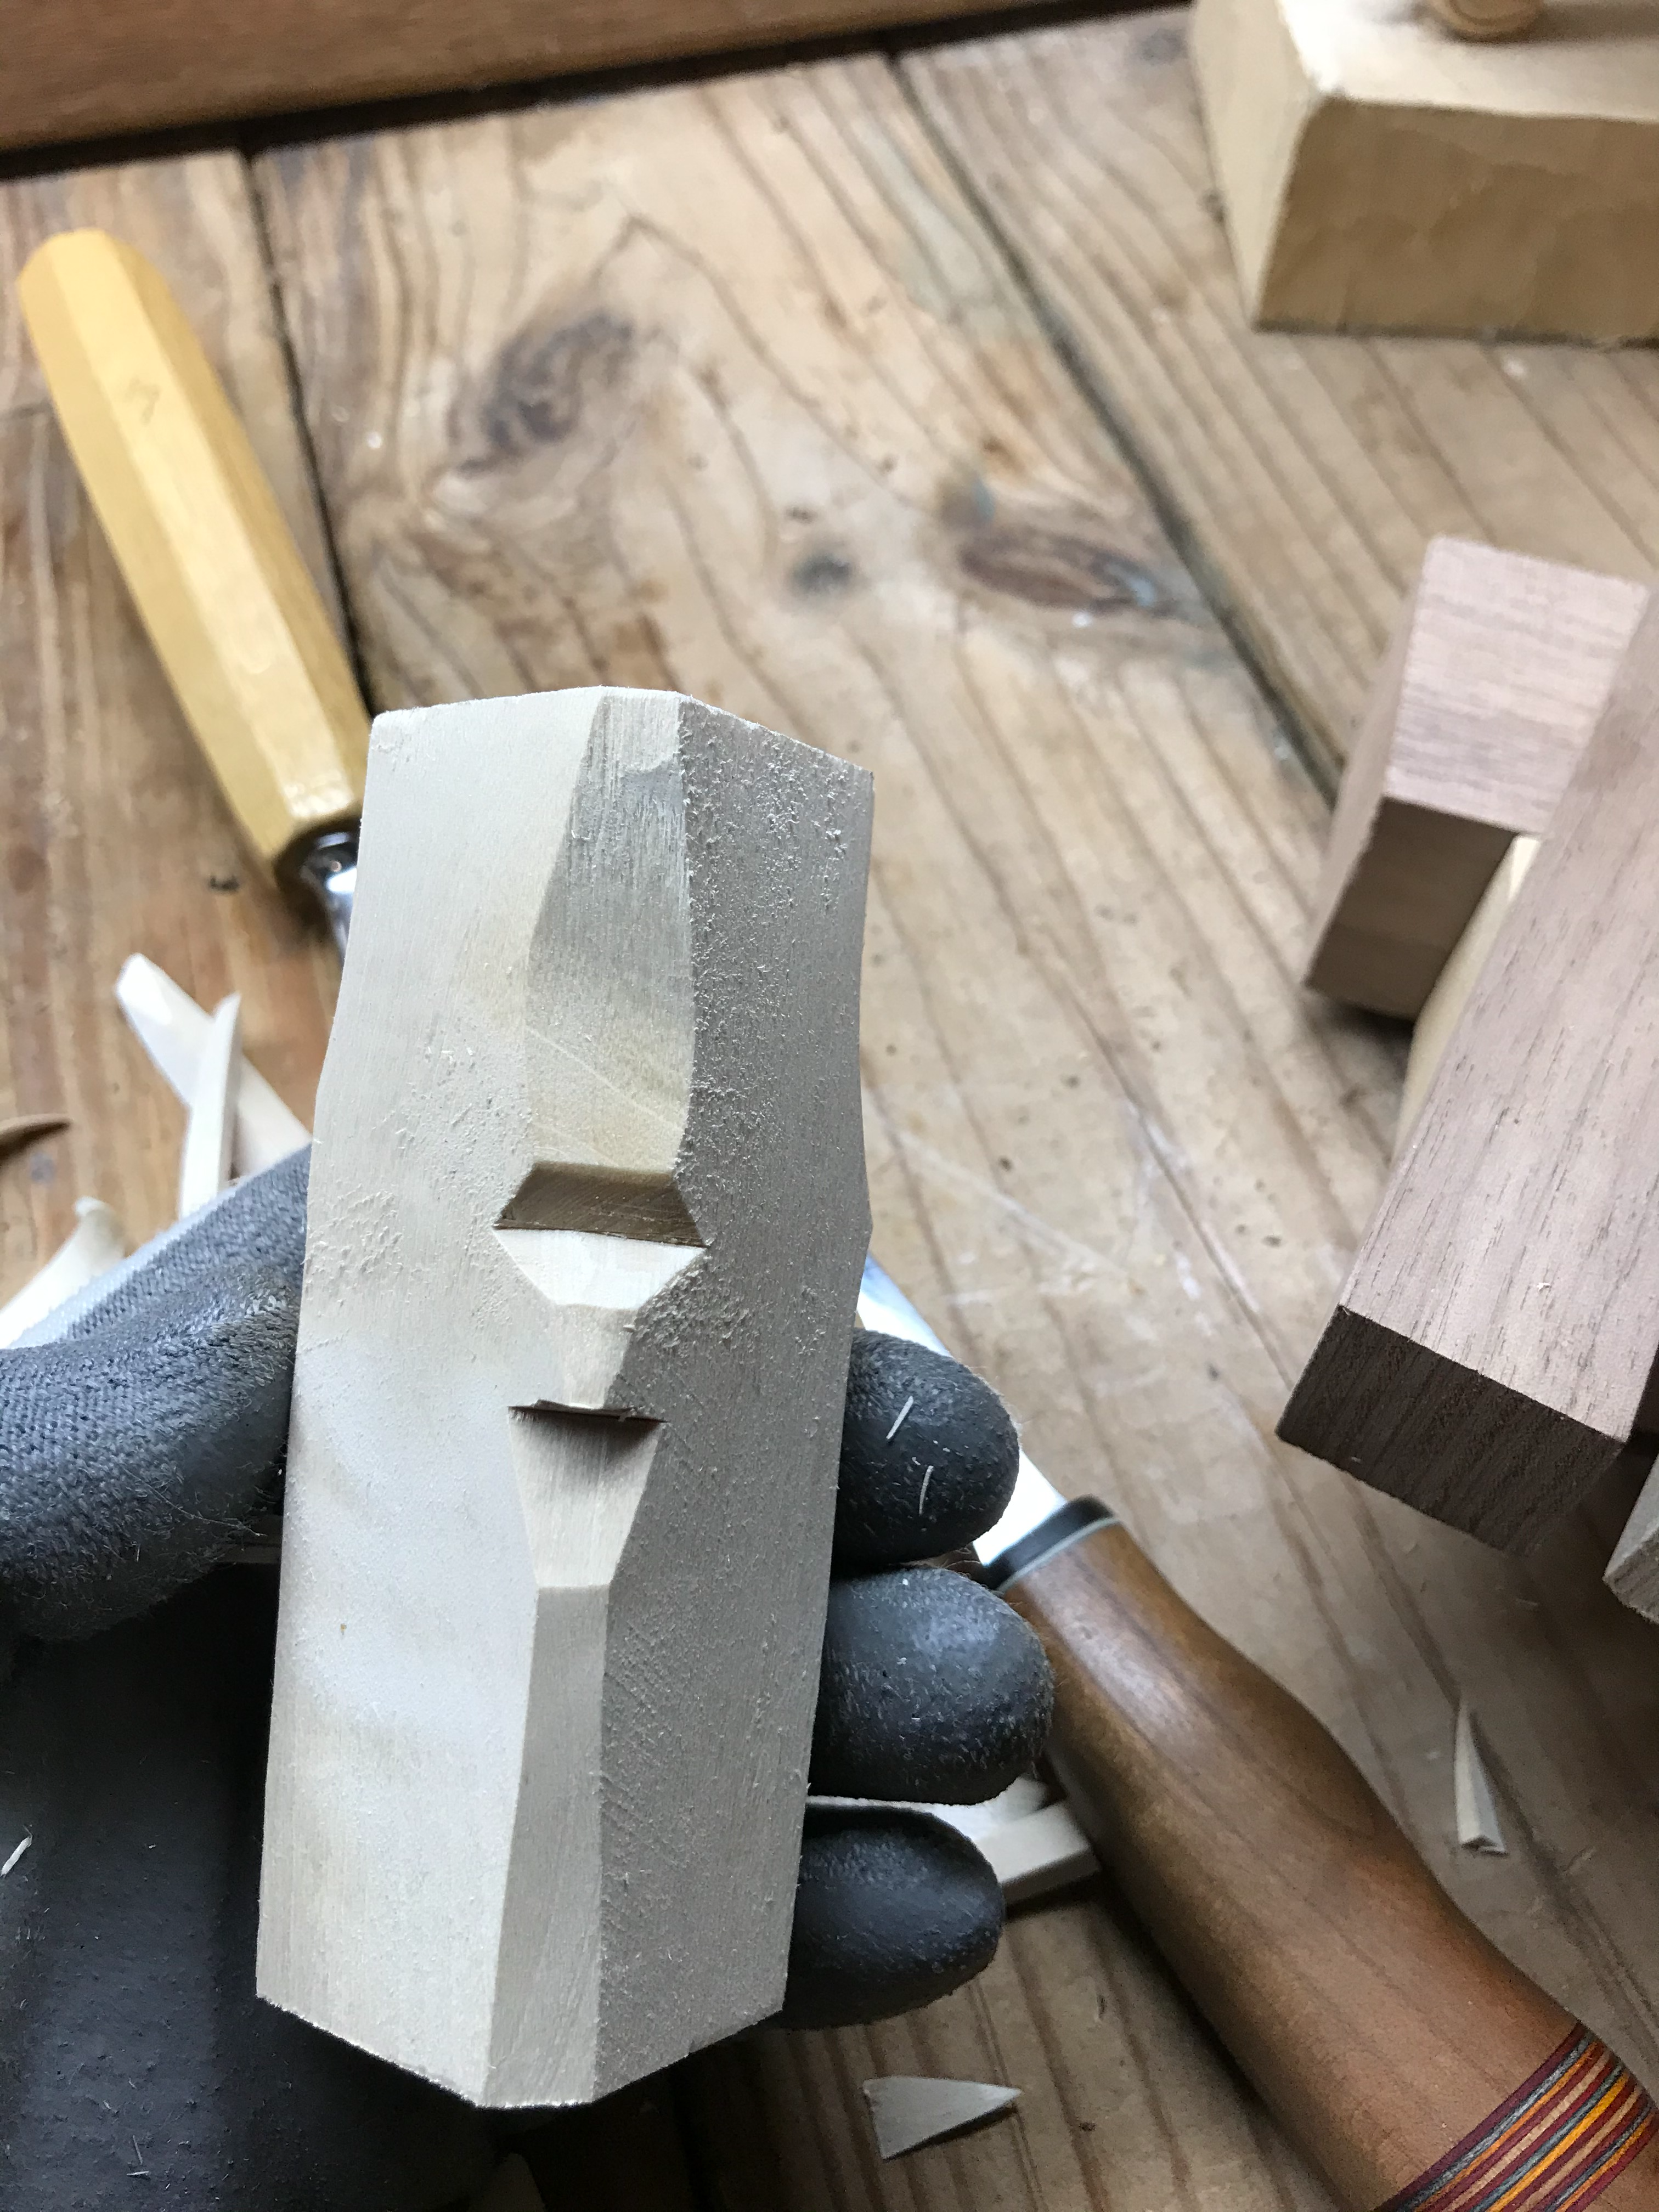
(587, 1218)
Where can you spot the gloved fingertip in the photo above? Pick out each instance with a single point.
(928, 1456)
(931, 1690)
(893, 1909)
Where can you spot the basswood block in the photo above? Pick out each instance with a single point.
(1488, 1356)
(587, 1218)
(1378, 172)
(1498, 669)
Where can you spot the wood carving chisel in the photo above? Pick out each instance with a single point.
(1413, 2062)
(208, 556)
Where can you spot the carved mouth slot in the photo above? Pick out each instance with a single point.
(601, 1201)
(580, 1477)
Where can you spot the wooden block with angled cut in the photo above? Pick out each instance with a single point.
(1378, 172)
(587, 1218)
(1498, 667)
(1490, 1350)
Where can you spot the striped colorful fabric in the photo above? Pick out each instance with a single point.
(1552, 2145)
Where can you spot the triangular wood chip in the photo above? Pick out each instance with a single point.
(909, 2110)
(1477, 1810)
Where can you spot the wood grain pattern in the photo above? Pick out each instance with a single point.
(87, 70)
(1379, 175)
(1484, 701)
(1305, 474)
(115, 839)
(1373, 2016)
(1491, 1346)
(728, 389)
(1443, 1009)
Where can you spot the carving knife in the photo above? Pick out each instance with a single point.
(1414, 2063)
(208, 556)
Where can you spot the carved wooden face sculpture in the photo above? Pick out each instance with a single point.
(588, 1216)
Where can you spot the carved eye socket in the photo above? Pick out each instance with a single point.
(603, 1201)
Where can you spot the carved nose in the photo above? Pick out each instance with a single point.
(593, 1288)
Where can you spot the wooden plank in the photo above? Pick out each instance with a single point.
(88, 70)
(1377, 174)
(1305, 474)
(533, 1813)
(117, 840)
(1486, 699)
(728, 389)
(1493, 1344)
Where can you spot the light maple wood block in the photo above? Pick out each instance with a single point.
(1490, 1350)
(1379, 174)
(587, 1218)
(1497, 668)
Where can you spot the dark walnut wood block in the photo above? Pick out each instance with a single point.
(1492, 1347)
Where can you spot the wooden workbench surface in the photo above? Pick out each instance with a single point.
(907, 407)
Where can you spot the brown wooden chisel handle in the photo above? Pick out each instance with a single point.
(1377, 2022)
(206, 549)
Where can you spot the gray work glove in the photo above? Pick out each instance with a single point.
(141, 1430)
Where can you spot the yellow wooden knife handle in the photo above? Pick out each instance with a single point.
(229, 603)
